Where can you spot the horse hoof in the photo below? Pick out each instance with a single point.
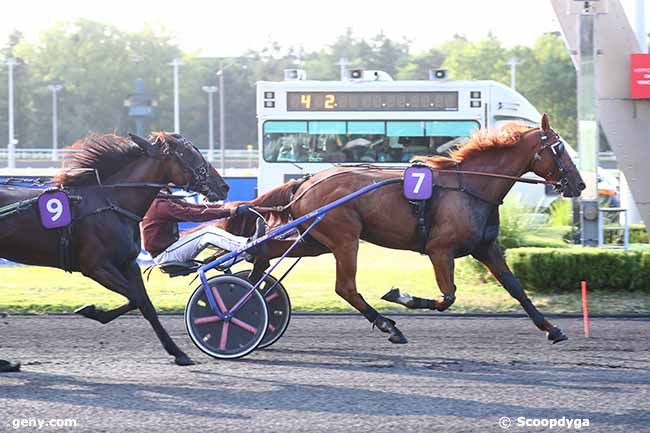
(557, 336)
(392, 295)
(9, 367)
(384, 324)
(183, 360)
(398, 338)
(86, 311)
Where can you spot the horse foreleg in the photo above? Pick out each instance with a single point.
(132, 272)
(492, 257)
(346, 287)
(259, 267)
(443, 265)
(130, 285)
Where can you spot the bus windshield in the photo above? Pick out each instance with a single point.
(362, 141)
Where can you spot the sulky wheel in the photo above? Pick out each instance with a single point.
(279, 307)
(235, 337)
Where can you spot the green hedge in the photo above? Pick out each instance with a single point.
(558, 269)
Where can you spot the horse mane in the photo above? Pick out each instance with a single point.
(104, 153)
(482, 140)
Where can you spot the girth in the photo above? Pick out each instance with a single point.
(423, 223)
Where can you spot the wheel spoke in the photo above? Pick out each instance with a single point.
(204, 320)
(243, 325)
(224, 336)
(219, 300)
(272, 296)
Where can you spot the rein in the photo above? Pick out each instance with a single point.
(438, 170)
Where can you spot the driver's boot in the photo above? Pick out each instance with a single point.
(258, 250)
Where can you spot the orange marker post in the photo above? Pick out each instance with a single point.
(585, 308)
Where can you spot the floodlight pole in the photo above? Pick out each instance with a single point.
(210, 91)
(222, 116)
(513, 62)
(343, 62)
(55, 88)
(11, 146)
(177, 121)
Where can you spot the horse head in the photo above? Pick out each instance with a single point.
(551, 161)
(185, 164)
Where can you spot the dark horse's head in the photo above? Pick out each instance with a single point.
(553, 163)
(185, 163)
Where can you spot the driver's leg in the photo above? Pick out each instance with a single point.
(183, 250)
(220, 239)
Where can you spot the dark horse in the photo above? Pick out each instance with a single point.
(463, 213)
(116, 180)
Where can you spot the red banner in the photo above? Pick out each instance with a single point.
(640, 76)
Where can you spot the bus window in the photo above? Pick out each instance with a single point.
(390, 141)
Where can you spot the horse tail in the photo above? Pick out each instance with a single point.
(244, 225)
(280, 195)
(277, 197)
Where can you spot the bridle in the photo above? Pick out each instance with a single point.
(556, 146)
(197, 173)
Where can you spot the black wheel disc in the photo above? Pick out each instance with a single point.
(232, 338)
(279, 306)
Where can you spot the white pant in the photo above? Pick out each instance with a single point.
(188, 247)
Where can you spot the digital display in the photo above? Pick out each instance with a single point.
(372, 101)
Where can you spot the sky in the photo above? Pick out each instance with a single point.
(229, 28)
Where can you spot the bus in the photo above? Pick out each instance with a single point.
(306, 126)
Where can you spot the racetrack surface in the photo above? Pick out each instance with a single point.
(329, 373)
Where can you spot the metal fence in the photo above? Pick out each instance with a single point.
(46, 158)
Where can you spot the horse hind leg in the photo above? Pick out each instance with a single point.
(396, 296)
(444, 270)
(104, 316)
(346, 269)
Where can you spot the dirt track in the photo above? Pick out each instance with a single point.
(329, 374)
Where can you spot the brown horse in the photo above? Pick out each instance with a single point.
(463, 212)
(116, 180)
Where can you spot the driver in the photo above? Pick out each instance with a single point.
(160, 236)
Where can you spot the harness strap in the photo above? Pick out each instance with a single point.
(299, 196)
(114, 208)
(423, 222)
(134, 185)
(469, 172)
(65, 249)
(15, 208)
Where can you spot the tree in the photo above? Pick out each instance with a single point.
(548, 80)
(482, 60)
(97, 65)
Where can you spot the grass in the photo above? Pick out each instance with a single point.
(310, 285)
